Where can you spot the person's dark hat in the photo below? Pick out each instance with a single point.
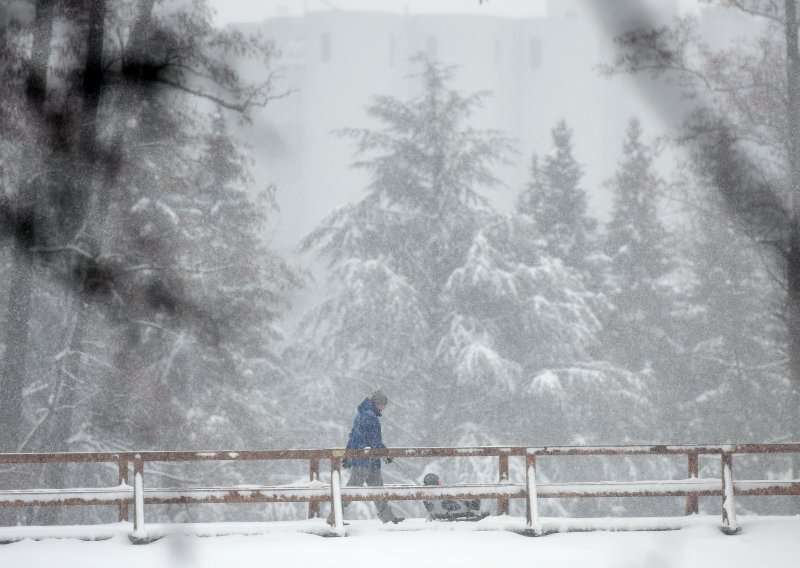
(379, 397)
(431, 479)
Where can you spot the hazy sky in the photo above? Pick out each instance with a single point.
(256, 10)
(250, 10)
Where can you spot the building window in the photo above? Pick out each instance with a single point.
(325, 47)
(535, 53)
(432, 47)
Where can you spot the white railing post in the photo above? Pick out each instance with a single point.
(139, 534)
(336, 495)
(533, 526)
(729, 523)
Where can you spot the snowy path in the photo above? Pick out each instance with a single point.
(773, 542)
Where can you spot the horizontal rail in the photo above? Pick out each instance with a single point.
(664, 449)
(73, 496)
(665, 488)
(235, 495)
(418, 493)
(770, 487)
(476, 451)
(320, 491)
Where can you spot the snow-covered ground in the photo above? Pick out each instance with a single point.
(772, 542)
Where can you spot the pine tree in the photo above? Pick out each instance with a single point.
(525, 358)
(393, 252)
(525, 336)
(557, 202)
(736, 360)
(208, 244)
(641, 328)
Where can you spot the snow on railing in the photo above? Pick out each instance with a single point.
(314, 491)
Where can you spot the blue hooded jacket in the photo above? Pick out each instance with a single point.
(366, 433)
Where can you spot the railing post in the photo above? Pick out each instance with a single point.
(336, 493)
(533, 526)
(729, 523)
(692, 505)
(313, 475)
(123, 480)
(502, 502)
(139, 534)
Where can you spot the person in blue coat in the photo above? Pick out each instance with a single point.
(366, 433)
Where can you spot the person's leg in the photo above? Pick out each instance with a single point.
(358, 477)
(385, 512)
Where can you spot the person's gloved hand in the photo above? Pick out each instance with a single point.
(388, 460)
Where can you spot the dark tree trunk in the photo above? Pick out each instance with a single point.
(12, 381)
(60, 426)
(88, 211)
(87, 156)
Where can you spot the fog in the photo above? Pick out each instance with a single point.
(540, 66)
(227, 224)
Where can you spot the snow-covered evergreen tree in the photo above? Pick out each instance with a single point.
(525, 331)
(641, 331)
(735, 378)
(525, 356)
(737, 364)
(557, 202)
(204, 229)
(393, 252)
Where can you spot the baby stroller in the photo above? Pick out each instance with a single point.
(452, 509)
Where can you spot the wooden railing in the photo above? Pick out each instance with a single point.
(131, 468)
